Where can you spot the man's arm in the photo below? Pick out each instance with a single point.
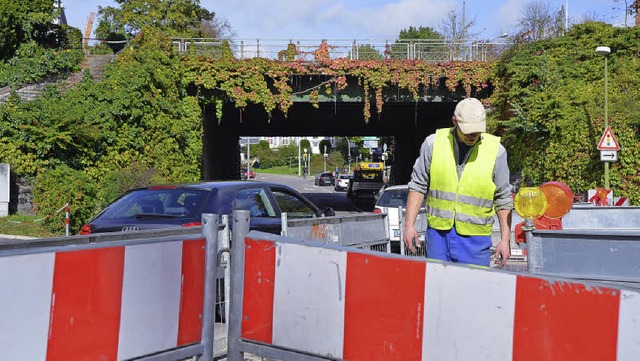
(410, 235)
(503, 249)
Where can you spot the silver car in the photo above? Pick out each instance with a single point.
(342, 181)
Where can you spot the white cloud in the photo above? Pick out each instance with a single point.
(509, 13)
(330, 19)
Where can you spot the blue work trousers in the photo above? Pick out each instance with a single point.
(450, 246)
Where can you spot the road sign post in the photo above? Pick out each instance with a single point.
(608, 147)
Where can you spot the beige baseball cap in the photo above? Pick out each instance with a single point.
(470, 116)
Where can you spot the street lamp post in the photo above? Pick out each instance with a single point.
(299, 157)
(605, 51)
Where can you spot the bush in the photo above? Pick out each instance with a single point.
(117, 182)
(54, 188)
(32, 63)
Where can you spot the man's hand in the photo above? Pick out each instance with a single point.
(414, 200)
(410, 238)
(503, 252)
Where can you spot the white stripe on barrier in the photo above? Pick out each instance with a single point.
(25, 305)
(309, 305)
(150, 299)
(459, 304)
(628, 326)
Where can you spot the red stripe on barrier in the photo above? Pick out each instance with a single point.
(564, 321)
(85, 305)
(257, 303)
(191, 292)
(384, 308)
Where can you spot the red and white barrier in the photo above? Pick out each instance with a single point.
(101, 304)
(355, 305)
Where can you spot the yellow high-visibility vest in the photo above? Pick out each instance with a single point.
(468, 201)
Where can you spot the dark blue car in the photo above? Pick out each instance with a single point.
(182, 205)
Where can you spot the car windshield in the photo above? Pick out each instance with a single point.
(393, 198)
(344, 176)
(157, 203)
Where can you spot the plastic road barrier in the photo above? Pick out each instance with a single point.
(297, 300)
(110, 297)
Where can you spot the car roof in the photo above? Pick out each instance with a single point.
(221, 185)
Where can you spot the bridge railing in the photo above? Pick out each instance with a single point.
(363, 49)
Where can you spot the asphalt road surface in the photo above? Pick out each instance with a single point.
(322, 196)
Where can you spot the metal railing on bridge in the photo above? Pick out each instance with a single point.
(363, 49)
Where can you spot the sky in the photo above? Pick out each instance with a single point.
(360, 19)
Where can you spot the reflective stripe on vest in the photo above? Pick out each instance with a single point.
(467, 201)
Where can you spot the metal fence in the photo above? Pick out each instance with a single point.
(360, 49)
(421, 228)
(365, 231)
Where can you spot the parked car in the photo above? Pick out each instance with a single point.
(389, 201)
(324, 179)
(342, 181)
(183, 205)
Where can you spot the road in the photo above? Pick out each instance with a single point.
(322, 196)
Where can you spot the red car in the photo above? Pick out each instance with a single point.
(252, 175)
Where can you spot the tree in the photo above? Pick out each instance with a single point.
(325, 146)
(416, 43)
(177, 18)
(457, 29)
(419, 33)
(22, 21)
(630, 7)
(365, 52)
(540, 20)
(305, 144)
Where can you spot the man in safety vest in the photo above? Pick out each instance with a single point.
(464, 174)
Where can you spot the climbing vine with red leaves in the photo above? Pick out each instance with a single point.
(267, 82)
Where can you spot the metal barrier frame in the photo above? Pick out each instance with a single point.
(422, 247)
(209, 229)
(287, 224)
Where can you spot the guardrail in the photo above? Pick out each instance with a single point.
(359, 49)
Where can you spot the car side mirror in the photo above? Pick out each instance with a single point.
(328, 212)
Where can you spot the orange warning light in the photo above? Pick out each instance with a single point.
(530, 202)
(559, 198)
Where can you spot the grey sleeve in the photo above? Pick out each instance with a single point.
(420, 175)
(503, 198)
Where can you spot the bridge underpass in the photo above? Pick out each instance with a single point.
(408, 122)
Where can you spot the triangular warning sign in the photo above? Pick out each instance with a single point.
(608, 141)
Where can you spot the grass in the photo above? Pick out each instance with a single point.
(278, 170)
(23, 225)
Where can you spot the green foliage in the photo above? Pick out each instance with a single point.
(136, 126)
(32, 63)
(325, 146)
(305, 144)
(178, 18)
(336, 159)
(22, 21)
(23, 225)
(268, 82)
(366, 52)
(550, 108)
(263, 144)
(116, 182)
(56, 187)
(422, 33)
